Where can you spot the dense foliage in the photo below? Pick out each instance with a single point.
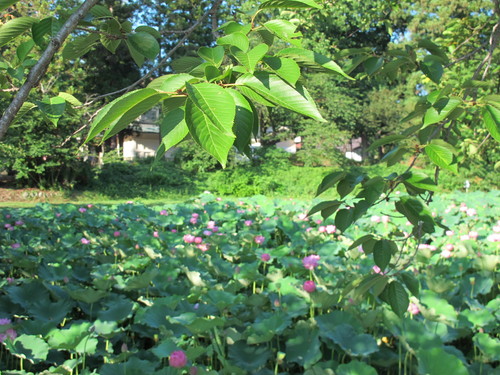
(243, 287)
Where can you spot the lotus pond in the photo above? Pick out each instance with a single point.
(254, 286)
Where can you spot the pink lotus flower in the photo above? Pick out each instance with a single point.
(240, 211)
(330, 229)
(302, 217)
(10, 333)
(164, 212)
(450, 233)
(309, 286)
(265, 257)
(117, 233)
(188, 238)
(207, 233)
(218, 199)
(377, 269)
(193, 220)
(446, 254)
(130, 202)
(16, 245)
(174, 231)
(259, 240)
(464, 237)
(471, 212)
(198, 240)
(177, 359)
(195, 215)
(156, 234)
(19, 222)
(82, 209)
(7, 226)
(322, 229)
(84, 241)
(473, 235)
(375, 219)
(449, 247)
(210, 224)
(318, 221)
(203, 246)
(413, 308)
(495, 237)
(385, 219)
(311, 262)
(248, 223)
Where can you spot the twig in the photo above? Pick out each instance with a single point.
(41, 66)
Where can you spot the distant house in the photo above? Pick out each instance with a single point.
(144, 139)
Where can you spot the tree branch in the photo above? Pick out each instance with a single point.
(41, 66)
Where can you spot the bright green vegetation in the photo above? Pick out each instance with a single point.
(119, 288)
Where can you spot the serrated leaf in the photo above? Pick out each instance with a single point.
(286, 68)
(213, 55)
(420, 180)
(50, 26)
(432, 67)
(186, 64)
(136, 56)
(4, 4)
(79, 46)
(215, 139)
(312, 60)
(99, 11)
(285, 30)
(145, 44)
(14, 28)
(386, 140)
(433, 49)
(70, 99)
(116, 115)
(250, 59)
(290, 4)
(274, 89)
(416, 212)
(397, 298)
(53, 108)
(441, 154)
(442, 109)
(173, 129)
(373, 64)
(252, 95)
(150, 30)
(23, 49)
(171, 82)
(233, 27)
(237, 39)
(327, 208)
(382, 252)
(491, 117)
(243, 122)
(111, 27)
(330, 181)
(411, 283)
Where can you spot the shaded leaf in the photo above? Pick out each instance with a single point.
(290, 4)
(145, 44)
(491, 117)
(397, 298)
(237, 39)
(285, 30)
(287, 69)
(79, 46)
(432, 67)
(243, 122)
(14, 28)
(53, 108)
(213, 55)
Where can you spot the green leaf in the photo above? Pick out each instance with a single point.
(274, 89)
(118, 114)
(330, 181)
(442, 109)
(136, 55)
(491, 117)
(145, 44)
(490, 346)
(171, 82)
(213, 55)
(173, 129)
(33, 348)
(397, 298)
(348, 183)
(361, 240)
(433, 49)
(394, 156)
(290, 4)
(386, 140)
(312, 60)
(252, 95)
(303, 345)
(14, 28)
(353, 343)
(327, 208)
(248, 357)
(233, 27)
(285, 68)
(250, 59)
(50, 26)
(68, 338)
(411, 283)
(243, 122)
(344, 219)
(432, 67)
(79, 46)
(99, 11)
(70, 99)
(419, 180)
(52, 108)
(186, 64)
(216, 138)
(150, 30)
(383, 251)
(284, 30)
(237, 39)
(373, 64)
(112, 27)
(355, 367)
(87, 295)
(4, 4)
(23, 49)
(441, 154)
(436, 361)
(416, 212)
